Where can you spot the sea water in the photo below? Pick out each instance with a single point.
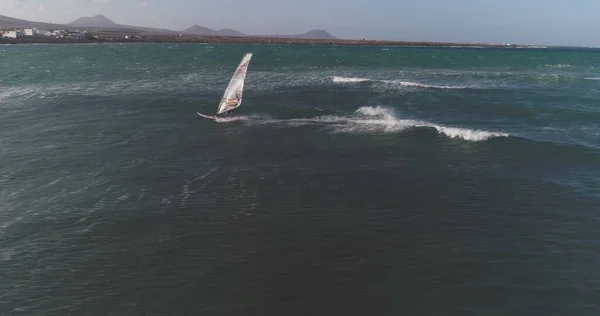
(352, 181)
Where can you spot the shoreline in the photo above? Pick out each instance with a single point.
(248, 40)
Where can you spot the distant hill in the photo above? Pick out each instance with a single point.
(8, 22)
(230, 32)
(101, 22)
(200, 30)
(314, 34)
(97, 20)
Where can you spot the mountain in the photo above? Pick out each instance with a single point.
(316, 34)
(230, 32)
(97, 20)
(100, 21)
(313, 34)
(201, 30)
(8, 22)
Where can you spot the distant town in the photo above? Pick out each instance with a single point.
(33, 32)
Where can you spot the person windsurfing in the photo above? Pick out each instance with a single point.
(231, 102)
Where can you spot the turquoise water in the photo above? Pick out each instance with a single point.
(353, 180)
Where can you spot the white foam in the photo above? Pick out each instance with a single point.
(387, 122)
(262, 81)
(422, 85)
(378, 119)
(558, 65)
(467, 134)
(338, 79)
(230, 119)
(239, 118)
(348, 79)
(391, 123)
(375, 111)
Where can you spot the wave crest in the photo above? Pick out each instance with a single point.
(348, 79)
(369, 119)
(338, 79)
(389, 122)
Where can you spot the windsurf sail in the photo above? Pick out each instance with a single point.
(232, 98)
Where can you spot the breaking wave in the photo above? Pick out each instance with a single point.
(348, 80)
(374, 119)
(370, 119)
(338, 79)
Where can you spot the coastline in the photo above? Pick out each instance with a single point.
(243, 40)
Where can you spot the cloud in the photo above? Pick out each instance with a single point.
(102, 1)
(41, 8)
(143, 4)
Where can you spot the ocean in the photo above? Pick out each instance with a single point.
(353, 180)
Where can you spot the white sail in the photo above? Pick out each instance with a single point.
(232, 98)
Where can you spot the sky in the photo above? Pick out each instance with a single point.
(543, 22)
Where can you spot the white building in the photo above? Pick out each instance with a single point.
(42, 32)
(74, 34)
(58, 33)
(28, 32)
(9, 34)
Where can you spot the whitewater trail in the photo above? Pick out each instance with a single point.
(337, 79)
(370, 119)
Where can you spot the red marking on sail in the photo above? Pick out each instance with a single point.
(241, 69)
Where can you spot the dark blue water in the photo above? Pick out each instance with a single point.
(353, 181)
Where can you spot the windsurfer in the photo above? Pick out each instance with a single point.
(231, 102)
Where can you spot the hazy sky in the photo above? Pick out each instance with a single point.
(562, 22)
